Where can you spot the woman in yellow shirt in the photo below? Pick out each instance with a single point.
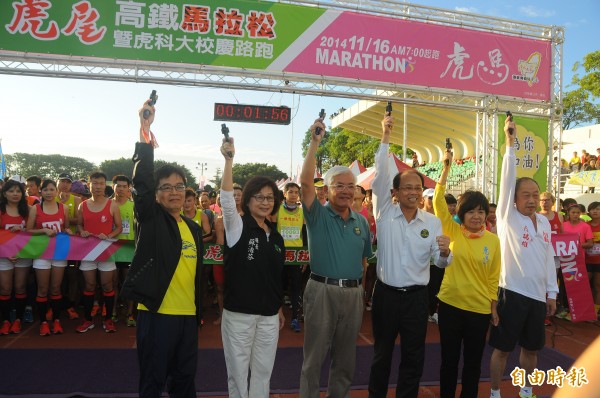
(468, 294)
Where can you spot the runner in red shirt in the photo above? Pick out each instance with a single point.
(49, 218)
(13, 271)
(592, 257)
(100, 217)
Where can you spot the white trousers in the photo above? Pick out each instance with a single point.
(249, 343)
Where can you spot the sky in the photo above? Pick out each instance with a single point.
(97, 120)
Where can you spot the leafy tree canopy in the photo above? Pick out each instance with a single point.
(580, 105)
(243, 172)
(47, 166)
(342, 147)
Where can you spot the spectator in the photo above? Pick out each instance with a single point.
(575, 163)
(415, 161)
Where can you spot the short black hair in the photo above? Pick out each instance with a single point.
(121, 177)
(396, 181)
(566, 203)
(593, 205)
(98, 174)
(362, 190)
(166, 171)
(254, 186)
(450, 199)
(190, 192)
(289, 185)
(36, 179)
(493, 205)
(470, 200)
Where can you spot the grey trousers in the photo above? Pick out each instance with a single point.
(332, 320)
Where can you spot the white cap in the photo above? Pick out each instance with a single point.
(428, 193)
(20, 179)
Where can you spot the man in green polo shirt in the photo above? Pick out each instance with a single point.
(338, 241)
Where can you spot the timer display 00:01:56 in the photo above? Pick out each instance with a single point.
(252, 113)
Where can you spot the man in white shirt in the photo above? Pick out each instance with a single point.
(407, 238)
(528, 285)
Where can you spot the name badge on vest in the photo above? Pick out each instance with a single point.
(357, 230)
(424, 233)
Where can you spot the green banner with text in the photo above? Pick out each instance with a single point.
(531, 148)
(234, 33)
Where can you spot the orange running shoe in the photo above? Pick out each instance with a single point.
(95, 309)
(109, 326)
(15, 328)
(56, 327)
(44, 329)
(85, 326)
(73, 314)
(5, 329)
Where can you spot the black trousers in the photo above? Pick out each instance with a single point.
(469, 329)
(167, 347)
(436, 275)
(394, 313)
(293, 273)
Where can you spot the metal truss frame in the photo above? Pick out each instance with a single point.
(486, 107)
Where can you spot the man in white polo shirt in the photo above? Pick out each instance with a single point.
(527, 275)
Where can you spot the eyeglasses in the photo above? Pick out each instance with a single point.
(343, 187)
(170, 188)
(407, 188)
(261, 198)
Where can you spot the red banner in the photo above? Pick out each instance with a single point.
(567, 249)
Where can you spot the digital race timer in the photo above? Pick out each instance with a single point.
(252, 113)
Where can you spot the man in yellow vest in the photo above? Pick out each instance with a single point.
(290, 220)
(122, 187)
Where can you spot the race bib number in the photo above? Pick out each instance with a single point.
(126, 227)
(594, 250)
(9, 226)
(54, 225)
(291, 232)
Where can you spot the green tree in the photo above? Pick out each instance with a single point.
(591, 80)
(578, 109)
(342, 147)
(48, 166)
(189, 177)
(580, 105)
(323, 157)
(243, 172)
(115, 167)
(125, 166)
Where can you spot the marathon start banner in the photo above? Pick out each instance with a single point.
(567, 249)
(280, 38)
